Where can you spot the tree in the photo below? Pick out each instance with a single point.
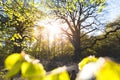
(110, 44)
(80, 16)
(41, 45)
(20, 24)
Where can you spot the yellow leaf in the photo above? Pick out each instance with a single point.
(11, 60)
(58, 74)
(15, 69)
(109, 71)
(32, 70)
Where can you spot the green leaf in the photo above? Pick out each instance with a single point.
(32, 70)
(92, 1)
(15, 70)
(12, 60)
(64, 76)
(81, 0)
(58, 74)
(13, 64)
(0, 44)
(20, 37)
(12, 39)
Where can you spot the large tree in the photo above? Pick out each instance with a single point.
(81, 17)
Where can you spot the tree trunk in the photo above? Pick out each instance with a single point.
(77, 54)
(17, 49)
(77, 48)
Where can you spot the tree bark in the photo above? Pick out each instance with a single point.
(77, 47)
(77, 54)
(17, 49)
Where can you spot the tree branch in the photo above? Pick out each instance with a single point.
(88, 32)
(99, 39)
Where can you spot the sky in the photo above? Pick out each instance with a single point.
(112, 10)
(110, 13)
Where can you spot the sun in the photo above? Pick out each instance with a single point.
(52, 29)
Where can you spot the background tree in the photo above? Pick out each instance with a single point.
(20, 23)
(80, 15)
(110, 44)
(46, 49)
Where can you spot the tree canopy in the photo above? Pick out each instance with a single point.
(20, 22)
(80, 15)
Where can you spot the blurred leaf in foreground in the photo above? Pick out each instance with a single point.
(12, 60)
(101, 69)
(13, 64)
(58, 74)
(32, 71)
(108, 71)
(86, 61)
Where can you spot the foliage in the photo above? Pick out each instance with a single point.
(110, 44)
(30, 68)
(18, 27)
(16, 31)
(86, 61)
(109, 68)
(101, 69)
